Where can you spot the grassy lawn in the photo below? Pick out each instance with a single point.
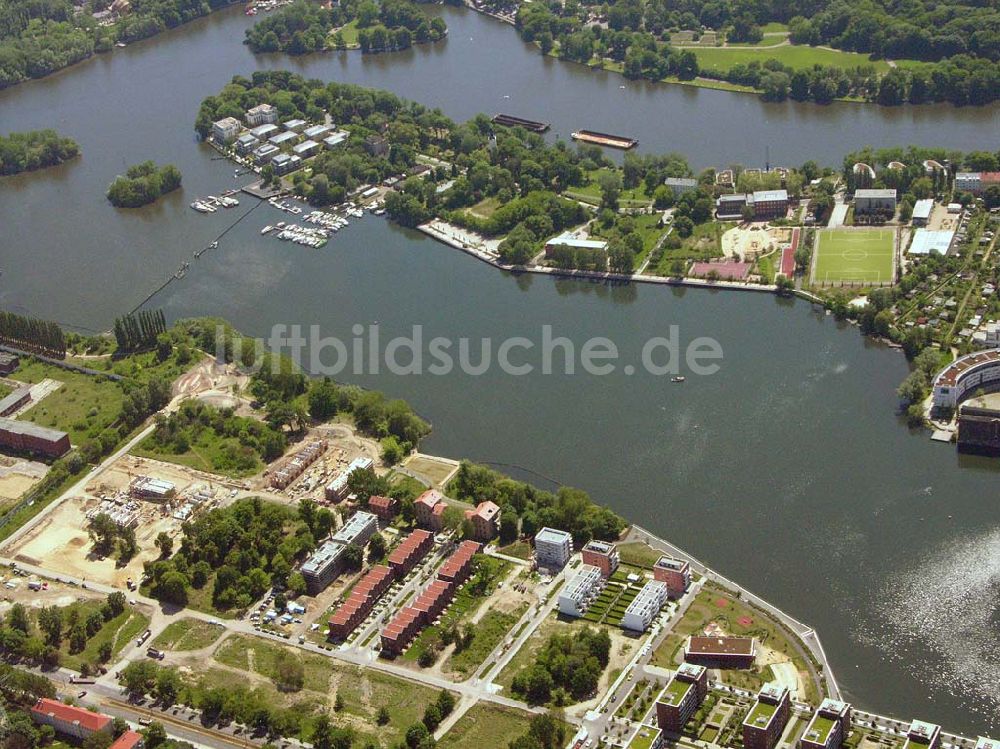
(488, 725)
(704, 243)
(854, 255)
(363, 690)
(518, 550)
(484, 208)
(118, 631)
(765, 265)
(490, 632)
(737, 619)
(187, 634)
(591, 192)
(647, 226)
(639, 554)
(82, 407)
(798, 57)
(350, 33)
(204, 454)
(465, 604)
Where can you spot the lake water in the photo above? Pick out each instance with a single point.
(788, 470)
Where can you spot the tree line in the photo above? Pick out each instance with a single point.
(303, 27)
(35, 149)
(137, 331)
(143, 184)
(41, 336)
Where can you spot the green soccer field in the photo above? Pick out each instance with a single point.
(854, 256)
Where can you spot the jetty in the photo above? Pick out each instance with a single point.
(509, 120)
(605, 139)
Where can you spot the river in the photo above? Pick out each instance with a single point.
(788, 470)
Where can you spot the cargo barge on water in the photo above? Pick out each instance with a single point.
(605, 139)
(509, 120)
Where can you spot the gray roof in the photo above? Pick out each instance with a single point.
(14, 398)
(26, 427)
(766, 195)
(888, 193)
(680, 182)
(553, 536)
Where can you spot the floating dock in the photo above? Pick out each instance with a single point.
(605, 139)
(509, 120)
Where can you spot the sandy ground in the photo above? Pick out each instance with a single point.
(60, 541)
(344, 445)
(942, 220)
(438, 471)
(17, 476)
(55, 594)
(748, 243)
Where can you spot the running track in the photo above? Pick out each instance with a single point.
(788, 256)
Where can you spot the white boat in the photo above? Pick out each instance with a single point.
(202, 208)
(213, 245)
(266, 229)
(677, 379)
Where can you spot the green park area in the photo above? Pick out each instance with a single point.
(488, 725)
(187, 634)
(635, 197)
(83, 406)
(798, 57)
(854, 256)
(717, 607)
(298, 679)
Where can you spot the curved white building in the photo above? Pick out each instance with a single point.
(964, 375)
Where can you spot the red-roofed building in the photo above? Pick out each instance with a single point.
(485, 520)
(128, 740)
(458, 566)
(412, 549)
(427, 607)
(69, 720)
(385, 507)
(360, 602)
(429, 508)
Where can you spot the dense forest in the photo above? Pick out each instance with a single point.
(959, 44)
(305, 27)
(36, 149)
(143, 184)
(39, 37)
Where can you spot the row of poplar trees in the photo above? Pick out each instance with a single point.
(139, 331)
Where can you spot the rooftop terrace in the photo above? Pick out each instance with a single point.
(674, 693)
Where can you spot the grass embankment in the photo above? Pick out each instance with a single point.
(362, 690)
(638, 554)
(717, 60)
(488, 725)
(188, 634)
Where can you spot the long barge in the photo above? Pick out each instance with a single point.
(605, 139)
(509, 120)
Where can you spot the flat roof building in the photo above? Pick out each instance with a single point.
(8, 362)
(305, 149)
(296, 125)
(338, 489)
(316, 132)
(922, 210)
(265, 152)
(225, 130)
(926, 241)
(283, 139)
(646, 737)
(246, 143)
(871, 200)
(769, 203)
(583, 587)
(966, 374)
(568, 239)
(676, 573)
(15, 400)
(323, 565)
(553, 548)
(602, 555)
(147, 487)
(24, 436)
(680, 185)
(681, 697)
(644, 607)
(767, 718)
(828, 727)
(721, 652)
(358, 529)
(338, 138)
(729, 207)
(262, 114)
(263, 132)
(922, 736)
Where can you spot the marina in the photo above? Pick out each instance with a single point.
(211, 203)
(605, 139)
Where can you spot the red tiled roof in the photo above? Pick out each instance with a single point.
(381, 503)
(128, 740)
(431, 497)
(88, 721)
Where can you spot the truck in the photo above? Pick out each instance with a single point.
(154, 653)
(143, 637)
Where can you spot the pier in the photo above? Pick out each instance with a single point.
(509, 120)
(605, 139)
